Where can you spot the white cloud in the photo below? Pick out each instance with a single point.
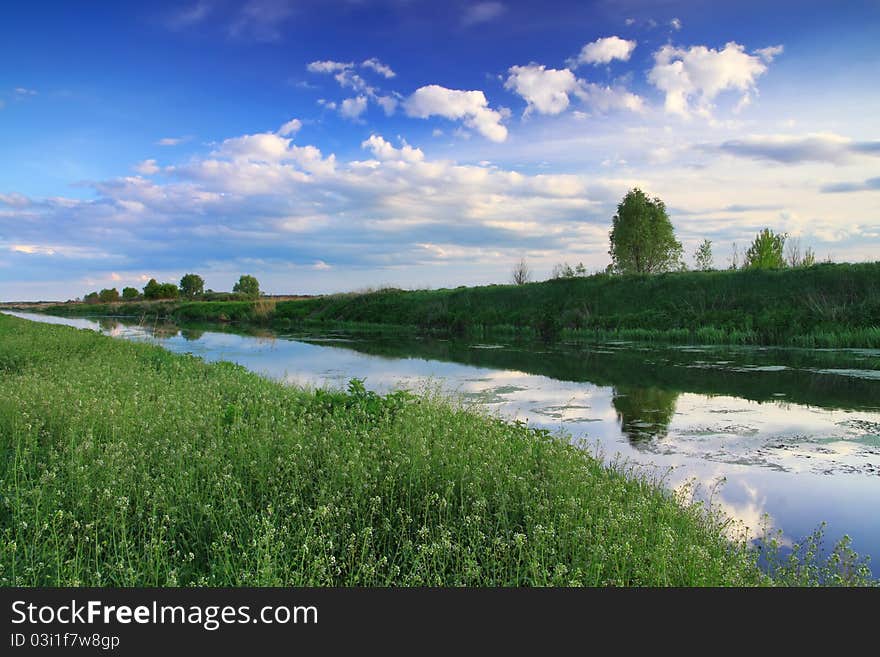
(384, 151)
(604, 51)
(675, 24)
(469, 106)
(147, 167)
(262, 20)
(547, 91)
(328, 66)
(173, 141)
(482, 12)
(188, 16)
(290, 128)
(352, 108)
(15, 200)
(387, 103)
(379, 67)
(691, 78)
(263, 147)
(544, 90)
(795, 149)
(605, 99)
(23, 92)
(344, 74)
(769, 53)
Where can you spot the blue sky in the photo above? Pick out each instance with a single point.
(330, 146)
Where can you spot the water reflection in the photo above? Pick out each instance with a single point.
(644, 413)
(191, 335)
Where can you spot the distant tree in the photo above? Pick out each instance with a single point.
(564, 270)
(247, 285)
(703, 256)
(108, 295)
(521, 273)
(642, 238)
(168, 291)
(795, 257)
(91, 297)
(154, 290)
(151, 289)
(766, 252)
(129, 294)
(191, 285)
(734, 257)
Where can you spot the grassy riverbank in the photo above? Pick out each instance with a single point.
(124, 464)
(828, 305)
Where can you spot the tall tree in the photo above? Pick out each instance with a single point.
(247, 285)
(767, 251)
(642, 238)
(192, 285)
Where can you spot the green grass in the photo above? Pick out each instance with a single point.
(828, 305)
(126, 465)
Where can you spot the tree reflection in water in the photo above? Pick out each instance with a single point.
(644, 413)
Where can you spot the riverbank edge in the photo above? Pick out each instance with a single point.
(824, 306)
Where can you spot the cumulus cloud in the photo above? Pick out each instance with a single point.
(290, 128)
(604, 51)
(544, 90)
(482, 12)
(379, 67)
(384, 151)
(387, 103)
(147, 167)
(471, 107)
(675, 24)
(547, 91)
(261, 198)
(345, 75)
(691, 78)
(794, 149)
(352, 108)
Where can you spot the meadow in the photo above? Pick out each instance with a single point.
(827, 305)
(126, 465)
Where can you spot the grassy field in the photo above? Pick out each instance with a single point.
(126, 465)
(828, 305)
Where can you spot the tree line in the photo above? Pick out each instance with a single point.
(643, 241)
(191, 286)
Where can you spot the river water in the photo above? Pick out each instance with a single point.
(778, 438)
